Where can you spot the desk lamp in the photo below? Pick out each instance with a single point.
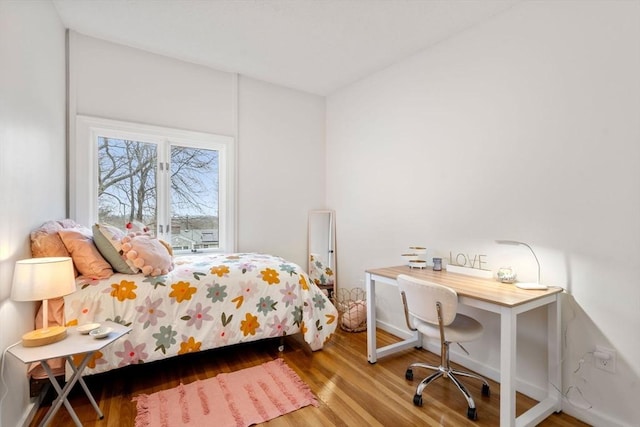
(537, 284)
(43, 279)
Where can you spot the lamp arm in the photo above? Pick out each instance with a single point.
(516, 242)
(534, 255)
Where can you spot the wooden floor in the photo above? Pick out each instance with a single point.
(351, 391)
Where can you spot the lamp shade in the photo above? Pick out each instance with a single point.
(38, 279)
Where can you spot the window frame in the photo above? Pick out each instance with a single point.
(83, 170)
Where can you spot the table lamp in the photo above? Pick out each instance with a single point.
(537, 284)
(38, 279)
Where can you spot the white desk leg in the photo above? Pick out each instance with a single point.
(554, 361)
(371, 319)
(508, 330)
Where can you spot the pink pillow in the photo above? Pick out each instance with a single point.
(46, 242)
(147, 253)
(86, 256)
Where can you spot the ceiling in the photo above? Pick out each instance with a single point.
(317, 46)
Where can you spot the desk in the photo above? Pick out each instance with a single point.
(504, 299)
(74, 343)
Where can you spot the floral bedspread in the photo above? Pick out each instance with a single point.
(207, 301)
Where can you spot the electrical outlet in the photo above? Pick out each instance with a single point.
(605, 359)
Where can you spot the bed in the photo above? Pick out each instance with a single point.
(206, 301)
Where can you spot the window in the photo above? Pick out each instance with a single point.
(177, 183)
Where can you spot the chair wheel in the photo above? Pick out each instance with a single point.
(472, 414)
(417, 400)
(485, 390)
(409, 374)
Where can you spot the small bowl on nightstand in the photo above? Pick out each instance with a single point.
(101, 332)
(85, 329)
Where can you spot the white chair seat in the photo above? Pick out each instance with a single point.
(432, 310)
(462, 329)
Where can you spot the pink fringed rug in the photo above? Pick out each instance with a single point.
(250, 396)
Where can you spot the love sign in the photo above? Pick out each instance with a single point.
(466, 260)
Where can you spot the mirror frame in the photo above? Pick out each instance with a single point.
(329, 233)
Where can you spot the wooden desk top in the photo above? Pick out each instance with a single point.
(491, 291)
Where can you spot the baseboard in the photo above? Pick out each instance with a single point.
(589, 416)
(592, 416)
(32, 408)
(393, 330)
(487, 371)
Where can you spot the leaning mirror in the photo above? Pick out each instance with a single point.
(322, 250)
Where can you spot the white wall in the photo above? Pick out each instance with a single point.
(526, 127)
(107, 80)
(117, 82)
(279, 132)
(32, 164)
(282, 163)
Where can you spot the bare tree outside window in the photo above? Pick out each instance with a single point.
(194, 197)
(127, 189)
(126, 181)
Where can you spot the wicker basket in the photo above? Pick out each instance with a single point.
(352, 308)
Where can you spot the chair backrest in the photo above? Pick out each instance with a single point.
(422, 297)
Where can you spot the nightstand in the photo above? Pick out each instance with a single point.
(74, 343)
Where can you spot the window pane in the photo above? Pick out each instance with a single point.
(194, 198)
(127, 182)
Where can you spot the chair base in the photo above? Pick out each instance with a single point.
(447, 372)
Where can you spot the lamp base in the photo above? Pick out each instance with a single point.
(44, 336)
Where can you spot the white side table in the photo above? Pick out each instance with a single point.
(74, 343)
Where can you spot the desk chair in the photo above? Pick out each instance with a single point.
(432, 309)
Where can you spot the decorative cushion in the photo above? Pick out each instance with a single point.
(147, 253)
(86, 256)
(107, 239)
(45, 241)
